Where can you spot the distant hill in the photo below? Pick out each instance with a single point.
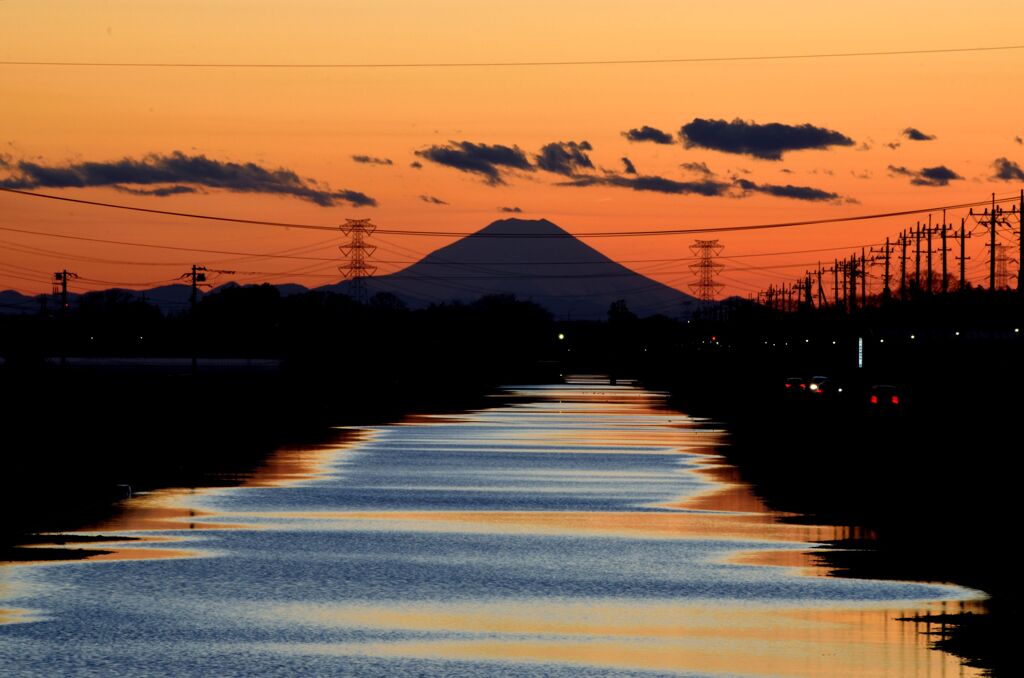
(555, 270)
(15, 302)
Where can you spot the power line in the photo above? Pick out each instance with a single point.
(596, 234)
(510, 64)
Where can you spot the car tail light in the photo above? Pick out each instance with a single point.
(895, 400)
(789, 385)
(803, 386)
(874, 400)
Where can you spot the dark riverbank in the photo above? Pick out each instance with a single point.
(931, 478)
(78, 439)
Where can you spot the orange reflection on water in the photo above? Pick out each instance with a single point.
(104, 551)
(162, 510)
(654, 636)
(635, 524)
(289, 465)
(14, 615)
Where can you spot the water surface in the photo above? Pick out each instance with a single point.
(581, 529)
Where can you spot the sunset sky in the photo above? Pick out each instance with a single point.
(455, 147)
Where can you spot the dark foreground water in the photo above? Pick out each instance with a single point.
(582, 530)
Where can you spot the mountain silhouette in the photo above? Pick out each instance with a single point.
(552, 268)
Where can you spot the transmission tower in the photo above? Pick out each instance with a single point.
(1002, 267)
(357, 251)
(706, 269)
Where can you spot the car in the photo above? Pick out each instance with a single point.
(795, 387)
(815, 383)
(884, 398)
(825, 388)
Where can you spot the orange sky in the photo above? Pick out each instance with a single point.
(312, 121)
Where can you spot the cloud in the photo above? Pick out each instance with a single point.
(487, 161)
(178, 169)
(787, 191)
(370, 160)
(5, 160)
(628, 164)
(1007, 170)
(1018, 140)
(915, 134)
(161, 192)
(565, 157)
(927, 176)
(767, 142)
(510, 210)
(893, 145)
(698, 168)
(432, 200)
(654, 184)
(646, 133)
(416, 164)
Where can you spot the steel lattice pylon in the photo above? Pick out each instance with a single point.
(356, 251)
(1002, 267)
(705, 267)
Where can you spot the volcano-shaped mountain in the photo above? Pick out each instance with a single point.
(536, 261)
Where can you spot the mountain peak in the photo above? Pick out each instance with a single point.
(514, 226)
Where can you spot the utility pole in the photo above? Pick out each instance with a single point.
(62, 278)
(917, 257)
(853, 283)
(357, 251)
(1020, 239)
(863, 280)
(808, 299)
(992, 247)
(963, 258)
(929, 282)
(945, 273)
(835, 283)
(197, 275)
(886, 292)
(903, 265)
(821, 290)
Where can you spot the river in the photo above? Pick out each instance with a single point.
(574, 529)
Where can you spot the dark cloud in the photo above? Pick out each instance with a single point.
(1018, 140)
(698, 167)
(510, 210)
(646, 133)
(432, 200)
(565, 157)
(654, 184)
(787, 191)
(767, 142)
(628, 164)
(416, 164)
(915, 134)
(161, 192)
(927, 176)
(1007, 170)
(370, 160)
(5, 160)
(893, 145)
(786, 170)
(706, 187)
(481, 159)
(177, 169)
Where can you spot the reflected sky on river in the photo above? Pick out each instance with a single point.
(581, 526)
